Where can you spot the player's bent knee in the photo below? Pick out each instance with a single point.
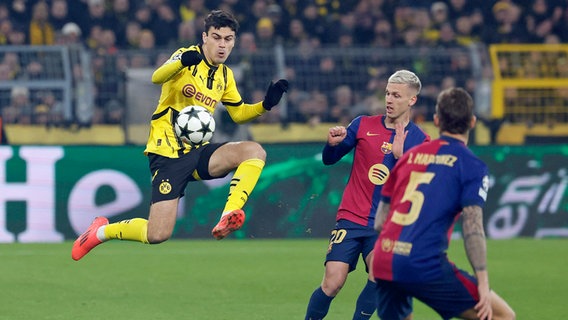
(331, 291)
(254, 150)
(331, 288)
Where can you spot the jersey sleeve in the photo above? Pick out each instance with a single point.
(245, 112)
(475, 184)
(331, 155)
(171, 67)
(239, 111)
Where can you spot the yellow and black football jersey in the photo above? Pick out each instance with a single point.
(203, 85)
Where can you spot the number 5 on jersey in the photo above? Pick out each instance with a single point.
(415, 197)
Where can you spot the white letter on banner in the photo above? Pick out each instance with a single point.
(38, 193)
(82, 205)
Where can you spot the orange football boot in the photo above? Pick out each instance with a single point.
(229, 223)
(88, 240)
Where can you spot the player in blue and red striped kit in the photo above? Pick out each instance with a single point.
(378, 141)
(426, 192)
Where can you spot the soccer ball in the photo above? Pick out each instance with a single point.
(194, 125)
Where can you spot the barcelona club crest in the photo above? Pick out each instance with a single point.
(386, 148)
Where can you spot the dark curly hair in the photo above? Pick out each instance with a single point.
(219, 19)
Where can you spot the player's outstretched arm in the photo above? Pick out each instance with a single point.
(476, 250)
(274, 93)
(175, 64)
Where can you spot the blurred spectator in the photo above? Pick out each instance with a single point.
(40, 115)
(70, 34)
(247, 50)
(120, 16)
(344, 31)
(133, 30)
(412, 38)
(541, 19)
(165, 26)
(296, 33)
(12, 62)
(402, 18)
(187, 34)
(464, 31)
(314, 110)
(314, 24)
(257, 10)
(107, 43)
(17, 37)
(5, 72)
(94, 37)
(440, 14)
(114, 112)
(41, 31)
(33, 71)
(48, 111)
(189, 10)
(265, 33)
(508, 28)
(144, 16)
(383, 34)
(4, 11)
(20, 109)
(5, 29)
(364, 24)
(305, 66)
(97, 15)
(147, 40)
(460, 8)
(59, 14)
(447, 37)
(328, 76)
(344, 101)
(20, 12)
(147, 57)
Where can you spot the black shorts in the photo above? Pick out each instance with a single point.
(170, 176)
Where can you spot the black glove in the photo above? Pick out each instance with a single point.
(274, 93)
(190, 58)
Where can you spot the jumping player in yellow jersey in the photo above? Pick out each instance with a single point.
(193, 76)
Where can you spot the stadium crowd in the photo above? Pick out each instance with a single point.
(149, 29)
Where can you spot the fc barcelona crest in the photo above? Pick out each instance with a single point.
(386, 148)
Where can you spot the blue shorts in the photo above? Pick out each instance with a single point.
(348, 241)
(450, 296)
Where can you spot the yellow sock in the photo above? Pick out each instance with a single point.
(243, 183)
(133, 229)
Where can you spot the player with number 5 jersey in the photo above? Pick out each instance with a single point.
(428, 189)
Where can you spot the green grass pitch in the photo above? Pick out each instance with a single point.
(238, 279)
